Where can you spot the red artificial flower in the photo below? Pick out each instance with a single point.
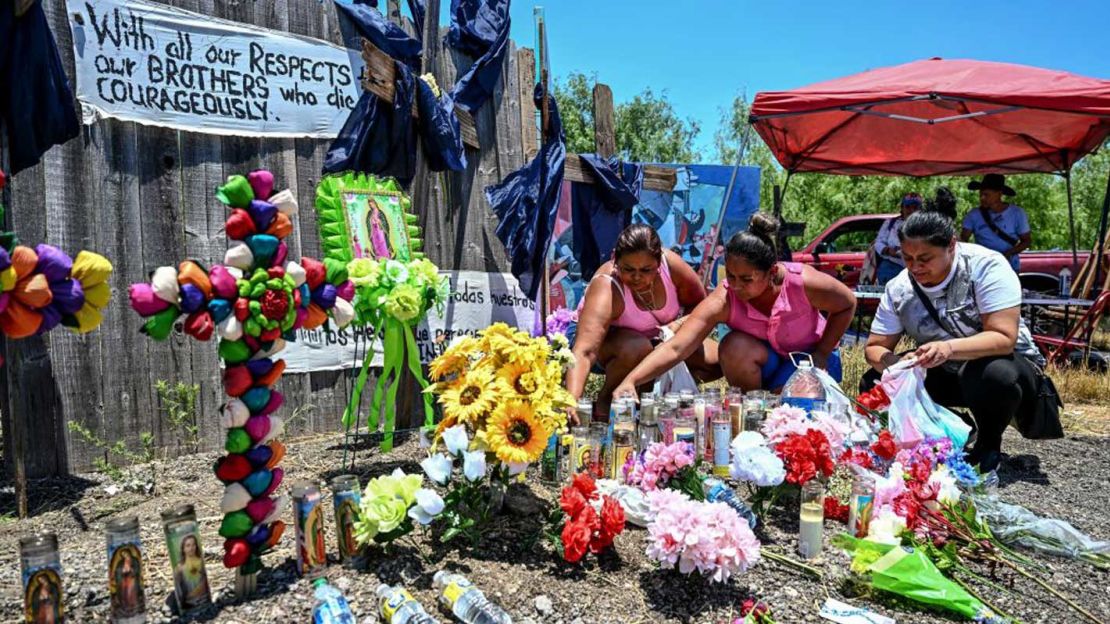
(275, 304)
(584, 483)
(590, 518)
(756, 609)
(857, 457)
(572, 502)
(835, 511)
(907, 506)
(747, 607)
(3, 180)
(885, 447)
(612, 518)
(874, 399)
(576, 538)
(822, 453)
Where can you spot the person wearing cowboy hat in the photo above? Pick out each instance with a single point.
(996, 224)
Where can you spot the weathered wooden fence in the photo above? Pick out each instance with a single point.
(143, 197)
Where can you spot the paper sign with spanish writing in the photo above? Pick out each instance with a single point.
(158, 65)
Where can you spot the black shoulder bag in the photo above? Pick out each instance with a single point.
(1042, 422)
(1010, 240)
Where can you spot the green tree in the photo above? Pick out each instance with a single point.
(647, 127)
(819, 199)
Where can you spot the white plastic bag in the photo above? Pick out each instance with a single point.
(914, 416)
(678, 378)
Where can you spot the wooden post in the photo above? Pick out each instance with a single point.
(605, 137)
(526, 70)
(394, 11)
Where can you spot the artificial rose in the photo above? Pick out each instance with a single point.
(379, 514)
(424, 273)
(398, 485)
(576, 539)
(874, 399)
(364, 272)
(612, 519)
(885, 447)
(585, 484)
(572, 502)
(404, 302)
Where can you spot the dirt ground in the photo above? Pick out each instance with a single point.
(1062, 478)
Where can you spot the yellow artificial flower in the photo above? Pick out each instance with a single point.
(521, 379)
(447, 364)
(514, 434)
(470, 396)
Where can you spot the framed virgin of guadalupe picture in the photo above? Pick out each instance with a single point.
(361, 216)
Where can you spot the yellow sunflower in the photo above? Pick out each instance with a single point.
(521, 379)
(470, 396)
(514, 434)
(447, 364)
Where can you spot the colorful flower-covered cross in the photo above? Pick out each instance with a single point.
(255, 301)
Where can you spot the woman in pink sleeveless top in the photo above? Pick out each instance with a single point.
(773, 309)
(626, 303)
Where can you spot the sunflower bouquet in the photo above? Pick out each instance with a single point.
(504, 390)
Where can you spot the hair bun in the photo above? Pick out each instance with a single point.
(765, 226)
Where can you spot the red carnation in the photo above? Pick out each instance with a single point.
(572, 502)
(885, 447)
(576, 538)
(275, 304)
(835, 511)
(858, 457)
(874, 399)
(907, 506)
(584, 483)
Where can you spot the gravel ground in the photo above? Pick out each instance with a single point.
(1062, 478)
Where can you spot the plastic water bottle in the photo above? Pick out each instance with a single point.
(397, 606)
(331, 606)
(804, 388)
(1065, 282)
(466, 602)
(717, 491)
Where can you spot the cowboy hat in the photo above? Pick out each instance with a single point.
(992, 182)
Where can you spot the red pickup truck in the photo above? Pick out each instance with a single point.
(840, 250)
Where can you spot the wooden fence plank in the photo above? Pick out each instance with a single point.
(605, 138)
(526, 83)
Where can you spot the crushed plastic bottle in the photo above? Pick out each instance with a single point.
(466, 602)
(804, 388)
(717, 491)
(397, 606)
(331, 607)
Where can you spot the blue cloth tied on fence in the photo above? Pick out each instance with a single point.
(380, 137)
(479, 28)
(36, 103)
(600, 211)
(526, 203)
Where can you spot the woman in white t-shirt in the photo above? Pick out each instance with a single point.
(980, 354)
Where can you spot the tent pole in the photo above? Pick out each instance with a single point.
(1071, 221)
(1102, 234)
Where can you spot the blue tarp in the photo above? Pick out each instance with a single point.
(479, 28)
(36, 103)
(600, 211)
(526, 202)
(379, 137)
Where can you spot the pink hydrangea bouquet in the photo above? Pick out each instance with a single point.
(709, 538)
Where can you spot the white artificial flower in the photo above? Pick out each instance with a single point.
(428, 506)
(886, 526)
(438, 468)
(396, 272)
(455, 439)
(948, 490)
(753, 461)
(474, 465)
(516, 468)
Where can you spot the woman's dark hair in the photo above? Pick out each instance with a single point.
(932, 227)
(638, 237)
(944, 203)
(759, 244)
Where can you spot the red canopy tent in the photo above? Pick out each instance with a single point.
(938, 117)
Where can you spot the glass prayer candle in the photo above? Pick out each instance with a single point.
(811, 519)
(190, 579)
(346, 497)
(580, 455)
(41, 568)
(308, 519)
(125, 571)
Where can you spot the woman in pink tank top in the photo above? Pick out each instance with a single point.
(626, 303)
(773, 309)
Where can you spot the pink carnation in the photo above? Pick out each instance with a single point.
(786, 420)
(655, 466)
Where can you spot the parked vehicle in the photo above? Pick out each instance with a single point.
(841, 248)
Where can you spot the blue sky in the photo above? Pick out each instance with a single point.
(705, 52)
